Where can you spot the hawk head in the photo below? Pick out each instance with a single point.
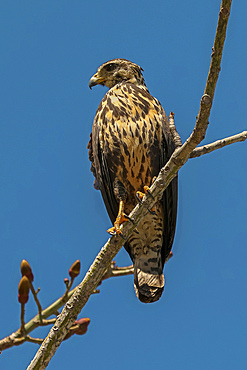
(115, 71)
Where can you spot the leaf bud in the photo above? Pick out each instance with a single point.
(83, 324)
(26, 270)
(23, 290)
(75, 269)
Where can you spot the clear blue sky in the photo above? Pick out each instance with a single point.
(51, 215)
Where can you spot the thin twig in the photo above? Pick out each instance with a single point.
(47, 322)
(114, 270)
(68, 287)
(35, 296)
(208, 148)
(22, 328)
(34, 340)
(17, 337)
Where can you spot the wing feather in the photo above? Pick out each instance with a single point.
(170, 196)
(101, 171)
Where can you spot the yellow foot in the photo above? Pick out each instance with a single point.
(121, 218)
(146, 191)
(139, 195)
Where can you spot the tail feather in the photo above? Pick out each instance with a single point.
(148, 287)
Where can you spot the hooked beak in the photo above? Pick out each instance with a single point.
(95, 80)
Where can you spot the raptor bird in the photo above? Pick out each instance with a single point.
(130, 142)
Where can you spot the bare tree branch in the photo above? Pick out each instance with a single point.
(17, 337)
(208, 148)
(114, 270)
(113, 245)
(21, 335)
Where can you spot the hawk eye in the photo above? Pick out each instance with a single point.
(110, 67)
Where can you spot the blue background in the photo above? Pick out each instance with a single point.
(51, 215)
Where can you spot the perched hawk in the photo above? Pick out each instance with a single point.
(129, 144)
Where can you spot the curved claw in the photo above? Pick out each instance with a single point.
(147, 191)
(129, 218)
(120, 234)
(152, 211)
(112, 231)
(139, 196)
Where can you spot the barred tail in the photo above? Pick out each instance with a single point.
(148, 287)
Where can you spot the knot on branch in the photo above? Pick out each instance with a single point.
(224, 12)
(206, 99)
(179, 162)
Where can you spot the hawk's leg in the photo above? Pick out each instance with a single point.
(121, 217)
(121, 196)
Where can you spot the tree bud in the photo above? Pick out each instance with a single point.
(75, 269)
(26, 270)
(23, 290)
(83, 324)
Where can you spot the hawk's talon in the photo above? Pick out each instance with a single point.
(120, 234)
(152, 211)
(112, 231)
(129, 218)
(136, 231)
(139, 196)
(147, 191)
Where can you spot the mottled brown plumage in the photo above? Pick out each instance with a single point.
(129, 144)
